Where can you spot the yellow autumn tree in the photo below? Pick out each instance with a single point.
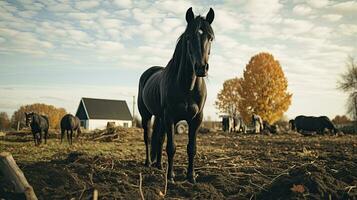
(263, 89)
(228, 97)
(54, 114)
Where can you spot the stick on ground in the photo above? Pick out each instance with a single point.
(140, 187)
(14, 174)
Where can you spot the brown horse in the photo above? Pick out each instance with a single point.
(177, 92)
(70, 123)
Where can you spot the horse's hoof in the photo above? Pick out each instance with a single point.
(191, 179)
(147, 164)
(157, 165)
(170, 180)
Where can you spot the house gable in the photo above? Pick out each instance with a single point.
(81, 112)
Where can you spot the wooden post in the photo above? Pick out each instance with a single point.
(15, 176)
(133, 123)
(18, 125)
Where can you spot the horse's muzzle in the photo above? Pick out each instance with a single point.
(201, 71)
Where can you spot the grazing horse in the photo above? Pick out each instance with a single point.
(311, 124)
(177, 92)
(70, 123)
(38, 124)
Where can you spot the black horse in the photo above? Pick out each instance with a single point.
(38, 124)
(70, 123)
(177, 92)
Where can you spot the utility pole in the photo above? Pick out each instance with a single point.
(133, 123)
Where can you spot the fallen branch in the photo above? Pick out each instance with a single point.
(350, 188)
(14, 174)
(140, 187)
(257, 186)
(167, 169)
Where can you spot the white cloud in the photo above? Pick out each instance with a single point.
(348, 7)
(83, 5)
(27, 14)
(80, 15)
(123, 3)
(226, 21)
(348, 29)
(302, 9)
(295, 26)
(256, 7)
(79, 36)
(318, 3)
(332, 17)
(58, 8)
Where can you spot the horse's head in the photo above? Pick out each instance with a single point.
(199, 35)
(28, 117)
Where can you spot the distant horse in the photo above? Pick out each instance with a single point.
(70, 123)
(38, 124)
(314, 124)
(239, 125)
(177, 92)
(292, 124)
(258, 123)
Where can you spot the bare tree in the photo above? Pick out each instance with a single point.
(348, 84)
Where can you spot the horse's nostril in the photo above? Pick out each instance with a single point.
(206, 66)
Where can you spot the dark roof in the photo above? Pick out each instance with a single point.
(106, 109)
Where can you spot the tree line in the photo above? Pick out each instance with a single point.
(17, 119)
(263, 90)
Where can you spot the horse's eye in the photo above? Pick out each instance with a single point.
(200, 31)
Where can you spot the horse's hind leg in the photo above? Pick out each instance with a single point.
(146, 123)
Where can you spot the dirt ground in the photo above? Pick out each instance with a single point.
(228, 166)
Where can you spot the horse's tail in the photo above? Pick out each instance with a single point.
(155, 139)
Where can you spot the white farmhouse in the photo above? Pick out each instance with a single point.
(96, 113)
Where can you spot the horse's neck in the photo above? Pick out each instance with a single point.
(182, 69)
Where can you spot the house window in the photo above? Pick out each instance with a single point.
(126, 125)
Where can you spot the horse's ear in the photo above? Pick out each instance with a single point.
(189, 15)
(210, 16)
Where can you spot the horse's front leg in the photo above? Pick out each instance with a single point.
(194, 125)
(170, 147)
(34, 137)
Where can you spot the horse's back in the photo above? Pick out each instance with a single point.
(147, 74)
(69, 122)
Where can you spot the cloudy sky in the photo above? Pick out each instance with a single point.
(58, 51)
